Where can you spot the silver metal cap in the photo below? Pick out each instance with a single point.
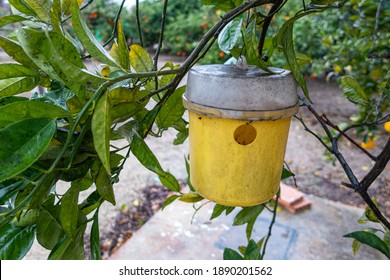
(229, 92)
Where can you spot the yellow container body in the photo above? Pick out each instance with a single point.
(234, 162)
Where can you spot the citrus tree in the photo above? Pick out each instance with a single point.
(90, 95)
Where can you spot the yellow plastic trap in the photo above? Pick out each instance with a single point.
(239, 123)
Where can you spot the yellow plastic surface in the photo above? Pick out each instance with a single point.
(237, 163)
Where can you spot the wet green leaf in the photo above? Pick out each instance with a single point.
(353, 91)
(15, 241)
(140, 59)
(95, 238)
(84, 34)
(230, 254)
(101, 122)
(228, 37)
(371, 240)
(172, 110)
(23, 110)
(69, 211)
(23, 143)
(248, 214)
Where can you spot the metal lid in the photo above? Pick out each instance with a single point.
(228, 92)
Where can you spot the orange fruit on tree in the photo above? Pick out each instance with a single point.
(370, 144)
(386, 126)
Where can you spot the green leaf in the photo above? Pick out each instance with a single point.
(9, 188)
(140, 59)
(11, 19)
(252, 54)
(371, 240)
(188, 170)
(230, 254)
(22, 7)
(123, 49)
(23, 110)
(146, 157)
(41, 8)
(35, 45)
(69, 211)
(49, 231)
(14, 50)
(17, 85)
(217, 211)
(172, 110)
(125, 111)
(355, 246)
(191, 197)
(11, 99)
(22, 144)
(228, 37)
(248, 214)
(101, 122)
(15, 241)
(225, 5)
(249, 229)
(289, 53)
(287, 174)
(169, 200)
(104, 185)
(42, 190)
(96, 253)
(353, 91)
(27, 218)
(86, 37)
(68, 249)
(65, 58)
(252, 251)
(11, 70)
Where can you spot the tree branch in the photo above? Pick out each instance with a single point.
(376, 170)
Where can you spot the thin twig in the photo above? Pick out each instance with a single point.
(160, 41)
(334, 126)
(116, 20)
(270, 225)
(138, 23)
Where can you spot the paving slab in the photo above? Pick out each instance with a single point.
(314, 234)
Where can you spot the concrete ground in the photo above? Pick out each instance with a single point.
(314, 234)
